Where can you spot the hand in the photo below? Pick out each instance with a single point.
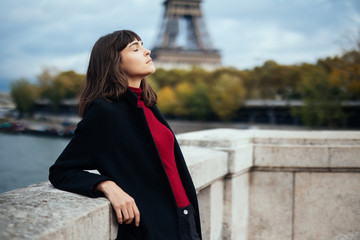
(124, 205)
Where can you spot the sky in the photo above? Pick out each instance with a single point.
(40, 34)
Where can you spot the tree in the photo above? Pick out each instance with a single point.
(349, 74)
(347, 67)
(226, 96)
(199, 105)
(168, 77)
(24, 94)
(44, 82)
(65, 85)
(59, 86)
(159, 77)
(322, 98)
(195, 75)
(274, 81)
(183, 92)
(166, 100)
(153, 83)
(345, 71)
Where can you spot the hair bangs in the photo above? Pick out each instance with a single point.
(125, 37)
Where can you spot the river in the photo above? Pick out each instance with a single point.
(25, 159)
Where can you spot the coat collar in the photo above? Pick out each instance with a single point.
(131, 97)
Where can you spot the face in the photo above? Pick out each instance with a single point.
(136, 61)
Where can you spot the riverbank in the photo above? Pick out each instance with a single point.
(183, 126)
(64, 128)
(55, 127)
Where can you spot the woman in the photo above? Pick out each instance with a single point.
(123, 135)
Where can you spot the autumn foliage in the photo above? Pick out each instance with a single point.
(219, 94)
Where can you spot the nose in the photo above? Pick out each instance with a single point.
(147, 52)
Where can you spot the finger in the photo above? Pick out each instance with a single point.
(129, 220)
(125, 214)
(137, 215)
(131, 215)
(119, 215)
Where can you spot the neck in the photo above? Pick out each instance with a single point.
(134, 83)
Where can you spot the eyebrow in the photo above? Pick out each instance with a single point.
(134, 43)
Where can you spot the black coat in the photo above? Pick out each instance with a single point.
(115, 139)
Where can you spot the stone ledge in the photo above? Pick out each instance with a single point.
(205, 165)
(243, 156)
(290, 149)
(290, 156)
(233, 137)
(42, 212)
(326, 206)
(216, 138)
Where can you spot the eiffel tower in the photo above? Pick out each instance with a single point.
(183, 40)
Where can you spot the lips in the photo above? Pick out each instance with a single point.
(150, 60)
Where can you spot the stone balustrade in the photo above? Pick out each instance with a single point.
(251, 184)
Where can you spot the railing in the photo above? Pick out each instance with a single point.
(252, 184)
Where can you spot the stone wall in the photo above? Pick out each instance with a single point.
(251, 184)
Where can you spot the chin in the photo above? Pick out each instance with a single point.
(153, 69)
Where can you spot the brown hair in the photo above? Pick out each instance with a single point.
(105, 78)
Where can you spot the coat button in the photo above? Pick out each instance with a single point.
(186, 212)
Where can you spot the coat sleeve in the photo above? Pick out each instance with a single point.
(83, 153)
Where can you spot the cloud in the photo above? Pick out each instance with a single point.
(61, 33)
(288, 32)
(36, 34)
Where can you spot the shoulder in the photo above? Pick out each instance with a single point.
(98, 115)
(98, 110)
(99, 105)
(102, 106)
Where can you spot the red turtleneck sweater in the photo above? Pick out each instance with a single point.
(164, 140)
